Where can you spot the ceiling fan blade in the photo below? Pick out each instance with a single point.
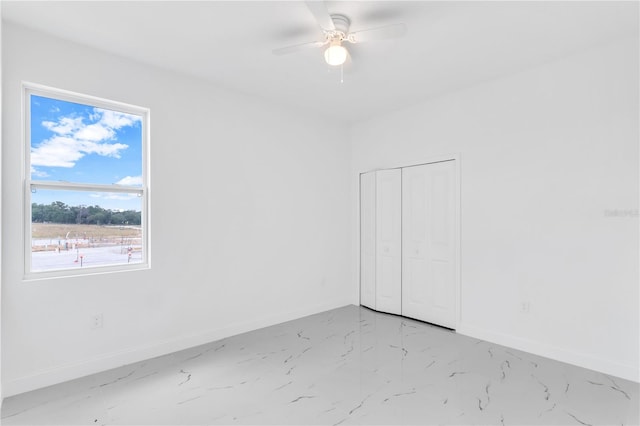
(320, 12)
(297, 48)
(381, 33)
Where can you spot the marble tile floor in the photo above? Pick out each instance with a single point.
(346, 366)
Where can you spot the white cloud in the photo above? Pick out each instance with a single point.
(38, 173)
(64, 126)
(114, 196)
(130, 181)
(95, 132)
(116, 120)
(62, 151)
(106, 150)
(58, 151)
(74, 139)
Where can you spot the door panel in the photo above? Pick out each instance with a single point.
(368, 240)
(428, 210)
(415, 271)
(387, 270)
(388, 241)
(440, 284)
(439, 208)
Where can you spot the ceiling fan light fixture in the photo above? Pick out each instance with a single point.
(335, 54)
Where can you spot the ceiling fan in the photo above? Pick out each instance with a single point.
(335, 30)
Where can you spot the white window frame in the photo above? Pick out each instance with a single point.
(29, 89)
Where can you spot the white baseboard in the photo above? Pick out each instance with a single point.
(629, 372)
(108, 361)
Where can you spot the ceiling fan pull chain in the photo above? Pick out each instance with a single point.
(341, 73)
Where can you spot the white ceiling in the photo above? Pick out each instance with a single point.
(448, 45)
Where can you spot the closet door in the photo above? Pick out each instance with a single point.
(388, 241)
(368, 240)
(428, 245)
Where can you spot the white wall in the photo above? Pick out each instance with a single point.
(268, 238)
(545, 154)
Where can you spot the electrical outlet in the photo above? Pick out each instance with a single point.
(524, 307)
(96, 321)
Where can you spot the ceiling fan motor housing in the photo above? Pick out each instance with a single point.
(341, 23)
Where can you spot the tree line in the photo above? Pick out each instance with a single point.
(59, 212)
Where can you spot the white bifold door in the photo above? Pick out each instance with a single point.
(408, 242)
(368, 240)
(428, 243)
(389, 241)
(381, 240)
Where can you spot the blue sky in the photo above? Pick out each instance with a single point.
(84, 144)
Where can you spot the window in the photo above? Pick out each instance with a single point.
(86, 186)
